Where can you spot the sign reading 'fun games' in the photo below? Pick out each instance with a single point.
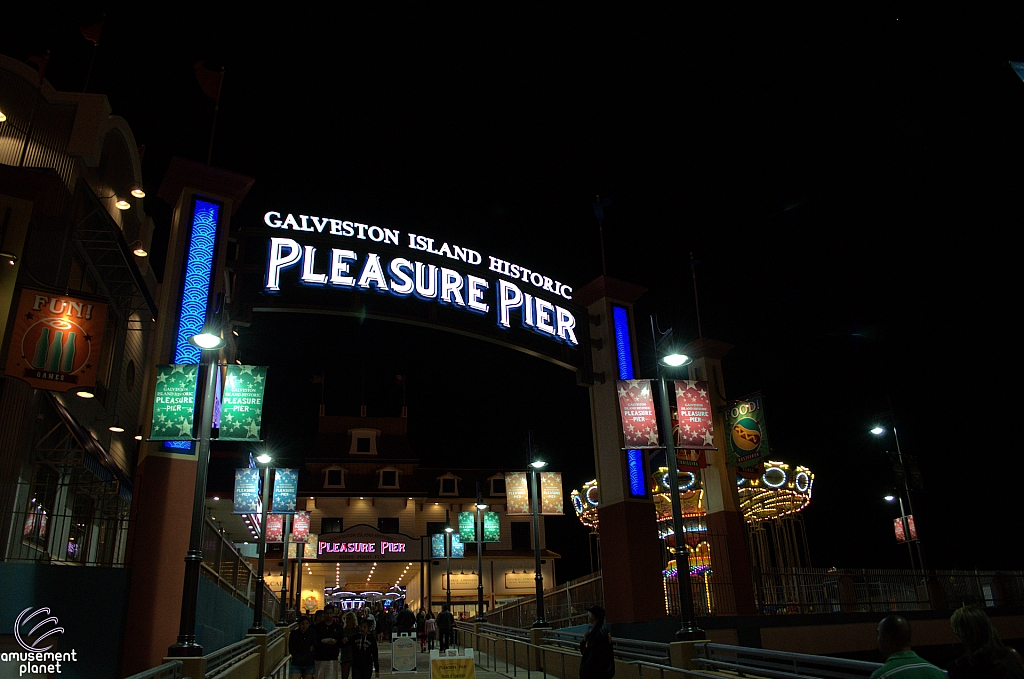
(338, 255)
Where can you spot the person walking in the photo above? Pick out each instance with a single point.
(364, 653)
(301, 643)
(985, 655)
(445, 623)
(349, 631)
(405, 621)
(598, 660)
(900, 661)
(325, 653)
(431, 627)
(421, 630)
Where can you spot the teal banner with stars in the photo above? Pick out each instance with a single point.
(241, 409)
(174, 402)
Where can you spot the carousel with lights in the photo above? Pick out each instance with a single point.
(771, 503)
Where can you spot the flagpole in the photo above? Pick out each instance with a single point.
(216, 108)
(92, 62)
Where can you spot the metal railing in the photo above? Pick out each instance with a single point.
(776, 664)
(224, 565)
(819, 590)
(625, 649)
(169, 670)
(564, 605)
(796, 590)
(223, 660)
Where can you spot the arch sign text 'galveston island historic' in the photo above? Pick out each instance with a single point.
(322, 252)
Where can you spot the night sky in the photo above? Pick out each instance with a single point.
(848, 184)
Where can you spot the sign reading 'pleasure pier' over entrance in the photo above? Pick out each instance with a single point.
(337, 255)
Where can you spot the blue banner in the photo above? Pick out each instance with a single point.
(286, 485)
(247, 491)
(437, 546)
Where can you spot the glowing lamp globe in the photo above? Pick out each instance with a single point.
(877, 430)
(675, 360)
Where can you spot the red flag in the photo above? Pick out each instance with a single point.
(209, 81)
(40, 64)
(92, 33)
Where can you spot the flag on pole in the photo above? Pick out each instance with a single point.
(92, 33)
(209, 81)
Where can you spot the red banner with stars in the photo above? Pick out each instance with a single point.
(693, 410)
(639, 420)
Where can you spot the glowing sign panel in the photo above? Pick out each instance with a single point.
(410, 265)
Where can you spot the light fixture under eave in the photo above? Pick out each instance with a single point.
(9, 257)
(137, 190)
(139, 250)
(122, 204)
(85, 393)
(3, 117)
(116, 428)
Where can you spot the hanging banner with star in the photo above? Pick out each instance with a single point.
(551, 493)
(247, 491)
(275, 528)
(747, 434)
(300, 527)
(241, 410)
(286, 485)
(695, 429)
(639, 421)
(56, 341)
(517, 494)
(174, 402)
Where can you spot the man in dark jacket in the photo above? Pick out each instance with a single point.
(325, 653)
(445, 623)
(301, 644)
(364, 653)
(405, 621)
(596, 648)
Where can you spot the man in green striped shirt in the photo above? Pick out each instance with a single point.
(900, 661)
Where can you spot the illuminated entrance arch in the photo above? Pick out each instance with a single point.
(298, 263)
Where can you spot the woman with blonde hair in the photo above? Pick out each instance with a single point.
(986, 655)
(349, 631)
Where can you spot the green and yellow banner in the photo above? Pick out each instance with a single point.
(746, 431)
(241, 410)
(174, 402)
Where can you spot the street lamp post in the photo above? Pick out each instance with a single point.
(480, 507)
(186, 646)
(261, 545)
(878, 431)
(536, 465)
(688, 629)
(448, 554)
(287, 529)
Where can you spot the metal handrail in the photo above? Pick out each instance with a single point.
(779, 664)
(169, 670)
(222, 659)
(631, 649)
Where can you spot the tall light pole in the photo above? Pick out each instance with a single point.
(257, 616)
(480, 507)
(878, 431)
(448, 553)
(688, 629)
(535, 466)
(209, 340)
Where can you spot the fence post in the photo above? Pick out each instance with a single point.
(261, 646)
(680, 653)
(191, 668)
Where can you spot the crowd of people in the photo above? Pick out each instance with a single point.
(333, 643)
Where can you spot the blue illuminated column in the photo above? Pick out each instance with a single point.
(195, 293)
(624, 358)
